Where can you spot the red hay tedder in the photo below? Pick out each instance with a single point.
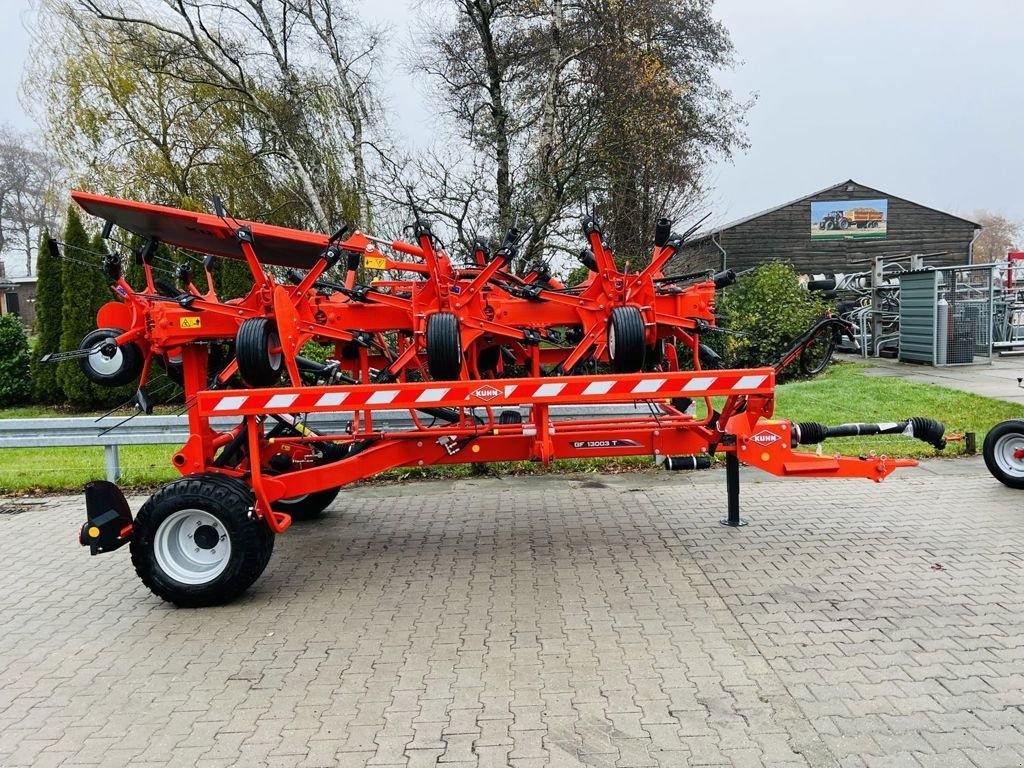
(480, 357)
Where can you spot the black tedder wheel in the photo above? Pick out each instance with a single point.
(487, 359)
(444, 346)
(110, 368)
(307, 507)
(510, 417)
(656, 354)
(257, 365)
(626, 339)
(196, 542)
(1004, 452)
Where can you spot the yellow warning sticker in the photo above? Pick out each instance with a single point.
(375, 262)
(190, 322)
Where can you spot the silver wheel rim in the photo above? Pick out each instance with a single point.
(106, 366)
(294, 500)
(182, 546)
(1005, 449)
(274, 358)
(611, 340)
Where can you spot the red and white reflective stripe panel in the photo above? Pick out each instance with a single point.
(478, 393)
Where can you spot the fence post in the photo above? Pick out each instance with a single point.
(113, 463)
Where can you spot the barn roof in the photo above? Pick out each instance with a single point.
(709, 232)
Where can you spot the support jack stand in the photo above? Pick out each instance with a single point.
(732, 488)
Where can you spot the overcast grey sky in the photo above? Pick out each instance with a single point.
(923, 99)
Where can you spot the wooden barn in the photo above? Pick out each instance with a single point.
(837, 229)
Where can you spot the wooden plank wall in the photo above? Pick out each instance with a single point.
(785, 235)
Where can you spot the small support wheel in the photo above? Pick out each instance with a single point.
(626, 340)
(308, 506)
(196, 541)
(1004, 452)
(112, 365)
(258, 349)
(444, 346)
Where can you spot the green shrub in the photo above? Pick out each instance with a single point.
(15, 385)
(49, 311)
(770, 308)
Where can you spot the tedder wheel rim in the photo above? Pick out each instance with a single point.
(1006, 451)
(274, 356)
(107, 365)
(192, 546)
(611, 341)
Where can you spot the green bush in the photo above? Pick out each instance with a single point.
(770, 308)
(15, 385)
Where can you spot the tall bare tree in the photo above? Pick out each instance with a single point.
(29, 188)
(592, 104)
(242, 78)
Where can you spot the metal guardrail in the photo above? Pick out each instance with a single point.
(171, 430)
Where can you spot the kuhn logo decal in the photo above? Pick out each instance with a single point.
(485, 393)
(764, 437)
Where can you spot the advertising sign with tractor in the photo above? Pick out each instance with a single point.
(845, 219)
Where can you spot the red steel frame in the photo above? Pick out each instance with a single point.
(743, 429)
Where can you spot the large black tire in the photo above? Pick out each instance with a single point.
(178, 531)
(118, 369)
(818, 352)
(844, 223)
(257, 365)
(1002, 442)
(626, 339)
(444, 347)
(308, 507)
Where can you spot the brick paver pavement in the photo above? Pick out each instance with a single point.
(531, 622)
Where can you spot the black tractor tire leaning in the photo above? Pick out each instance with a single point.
(1001, 442)
(818, 352)
(221, 505)
(307, 507)
(510, 417)
(123, 367)
(627, 344)
(444, 346)
(257, 365)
